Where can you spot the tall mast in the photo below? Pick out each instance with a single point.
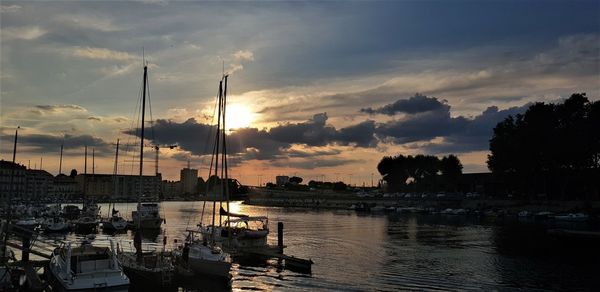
(60, 162)
(142, 134)
(93, 161)
(217, 146)
(156, 160)
(115, 184)
(224, 164)
(85, 161)
(9, 195)
(85, 172)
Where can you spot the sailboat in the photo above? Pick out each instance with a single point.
(114, 222)
(154, 268)
(243, 233)
(201, 253)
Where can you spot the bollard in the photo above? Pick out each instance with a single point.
(280, 236)
(25, 244)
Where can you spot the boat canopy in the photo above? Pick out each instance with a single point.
(246, 219)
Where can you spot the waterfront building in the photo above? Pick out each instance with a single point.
(171, 189)
(65, 187)
(39, 185)
(120, 187)
(15, 172)
(189, 180)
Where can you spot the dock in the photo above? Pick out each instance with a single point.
(567, 233)
(291, 262)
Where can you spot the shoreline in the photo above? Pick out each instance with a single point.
(344, 201)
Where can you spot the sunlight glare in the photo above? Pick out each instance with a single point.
(238, 116)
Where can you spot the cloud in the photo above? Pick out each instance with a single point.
(276, 143)
(313, 163)
(416, 104)
(238, 58)
(60, 107)
(9, 8)
(311, 153)
(243, 55)
(22, 33)
(361, 135)
(419, 127)
(313, 132)
(44, 143)
(88, 22)
(101, 54)
(451, 134)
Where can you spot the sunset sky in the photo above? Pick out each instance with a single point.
(318, 88)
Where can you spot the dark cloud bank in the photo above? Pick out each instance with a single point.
(416, 119)
(73, 144)
(415, 122)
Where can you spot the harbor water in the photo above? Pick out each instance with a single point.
(390, 252)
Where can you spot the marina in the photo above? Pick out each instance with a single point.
(423, 248)
(191, 146)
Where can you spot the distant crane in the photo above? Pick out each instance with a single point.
(157, 148)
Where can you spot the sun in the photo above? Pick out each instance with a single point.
(238, 116)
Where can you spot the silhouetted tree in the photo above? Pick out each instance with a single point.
(296, 179)
(201, 186)
(451, 169)
(339, 186)
(213, 180)
(543, 150)
(418, 172)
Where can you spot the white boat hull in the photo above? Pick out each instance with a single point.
(93, 278)
(211, 268)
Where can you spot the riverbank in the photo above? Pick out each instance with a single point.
(333, 200)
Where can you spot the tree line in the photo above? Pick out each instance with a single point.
(550, 151)
(420, 172)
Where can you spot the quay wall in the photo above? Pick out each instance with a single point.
(333, 200)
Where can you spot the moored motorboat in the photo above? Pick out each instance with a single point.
(71, 212)
(572, 217)
(86, 268)
(147, 216)
(113, 223)
(90, 209)
(55, 224)
(86, 224)
(28, 223)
